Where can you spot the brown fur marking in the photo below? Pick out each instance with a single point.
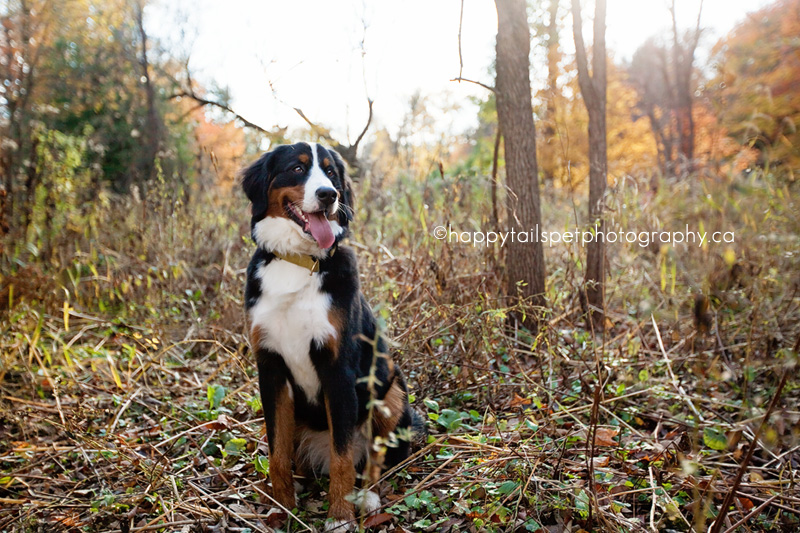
(303, 158)
(394, 401)
(278, 197)
(255, 338)
(282, 450)
(326, 162)
(343, 478)
(337, 320)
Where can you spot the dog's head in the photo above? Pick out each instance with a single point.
(302, 199)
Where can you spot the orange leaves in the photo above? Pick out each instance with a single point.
(223, 145)
(755, 88)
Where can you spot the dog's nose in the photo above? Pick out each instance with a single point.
(326, 195)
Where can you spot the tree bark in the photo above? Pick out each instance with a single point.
(593, 90)
(683, 57)
(525, 261)
(553, 57)
(549, 144)
(153, 119)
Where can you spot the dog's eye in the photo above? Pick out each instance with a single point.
(330, 173)
(298, 169)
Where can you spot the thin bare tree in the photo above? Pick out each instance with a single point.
(551, 94)
(593, 90)
(683, 51)
(153, 123)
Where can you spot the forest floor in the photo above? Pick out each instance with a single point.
(129, 400)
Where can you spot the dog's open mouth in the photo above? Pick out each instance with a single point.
(315, 224)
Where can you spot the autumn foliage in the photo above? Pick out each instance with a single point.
(756, 88)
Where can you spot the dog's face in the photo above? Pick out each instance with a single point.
(302, 199)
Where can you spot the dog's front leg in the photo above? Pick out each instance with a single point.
(278, 404)
(341, 406)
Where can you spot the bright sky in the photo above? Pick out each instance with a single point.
(277, 55)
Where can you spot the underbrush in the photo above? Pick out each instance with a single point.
(128, 400)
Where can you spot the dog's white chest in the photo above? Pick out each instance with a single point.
(292, 313)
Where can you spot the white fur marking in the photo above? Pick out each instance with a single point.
(281, 235)
(368, 501)
(338, 525)
(337, 229)
(291, 314)
(316, 180)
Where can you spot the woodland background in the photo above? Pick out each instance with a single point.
(128, 400)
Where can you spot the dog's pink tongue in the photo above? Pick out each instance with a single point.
(320, 229)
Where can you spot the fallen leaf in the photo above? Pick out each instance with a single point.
(377, 520)
(605, 437)
(276, 517)
(747, 503)
(479, 493)
(518, 400)
(220, 423)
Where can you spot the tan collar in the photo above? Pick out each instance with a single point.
(305, 261)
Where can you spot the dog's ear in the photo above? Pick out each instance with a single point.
(346, 210)
(255, 182)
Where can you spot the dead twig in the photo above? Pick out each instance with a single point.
(716, 527)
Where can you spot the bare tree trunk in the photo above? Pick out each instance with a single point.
(525, 261)
(549, 120)
(23, 30)
(553, 57)
(153, 119)
(683, 57)
(593, 90)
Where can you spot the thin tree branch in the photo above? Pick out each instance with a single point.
(584, 78)
(366, 126)
(599, 48)
(697, 26)
(219, 105)
(318, 130)
(487, 87)
(716, 527)
(460, 56)
(461, 77)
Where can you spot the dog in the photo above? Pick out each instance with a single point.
(333, 400)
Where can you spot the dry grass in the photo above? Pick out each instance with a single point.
(115, 354)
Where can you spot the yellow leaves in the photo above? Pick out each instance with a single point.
(631, 146)
(114, 373)
(729, 256)
(66, 309)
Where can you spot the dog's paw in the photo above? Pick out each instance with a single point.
(339, 526)
(368, 502)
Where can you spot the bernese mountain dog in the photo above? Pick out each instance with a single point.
(333, 400)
